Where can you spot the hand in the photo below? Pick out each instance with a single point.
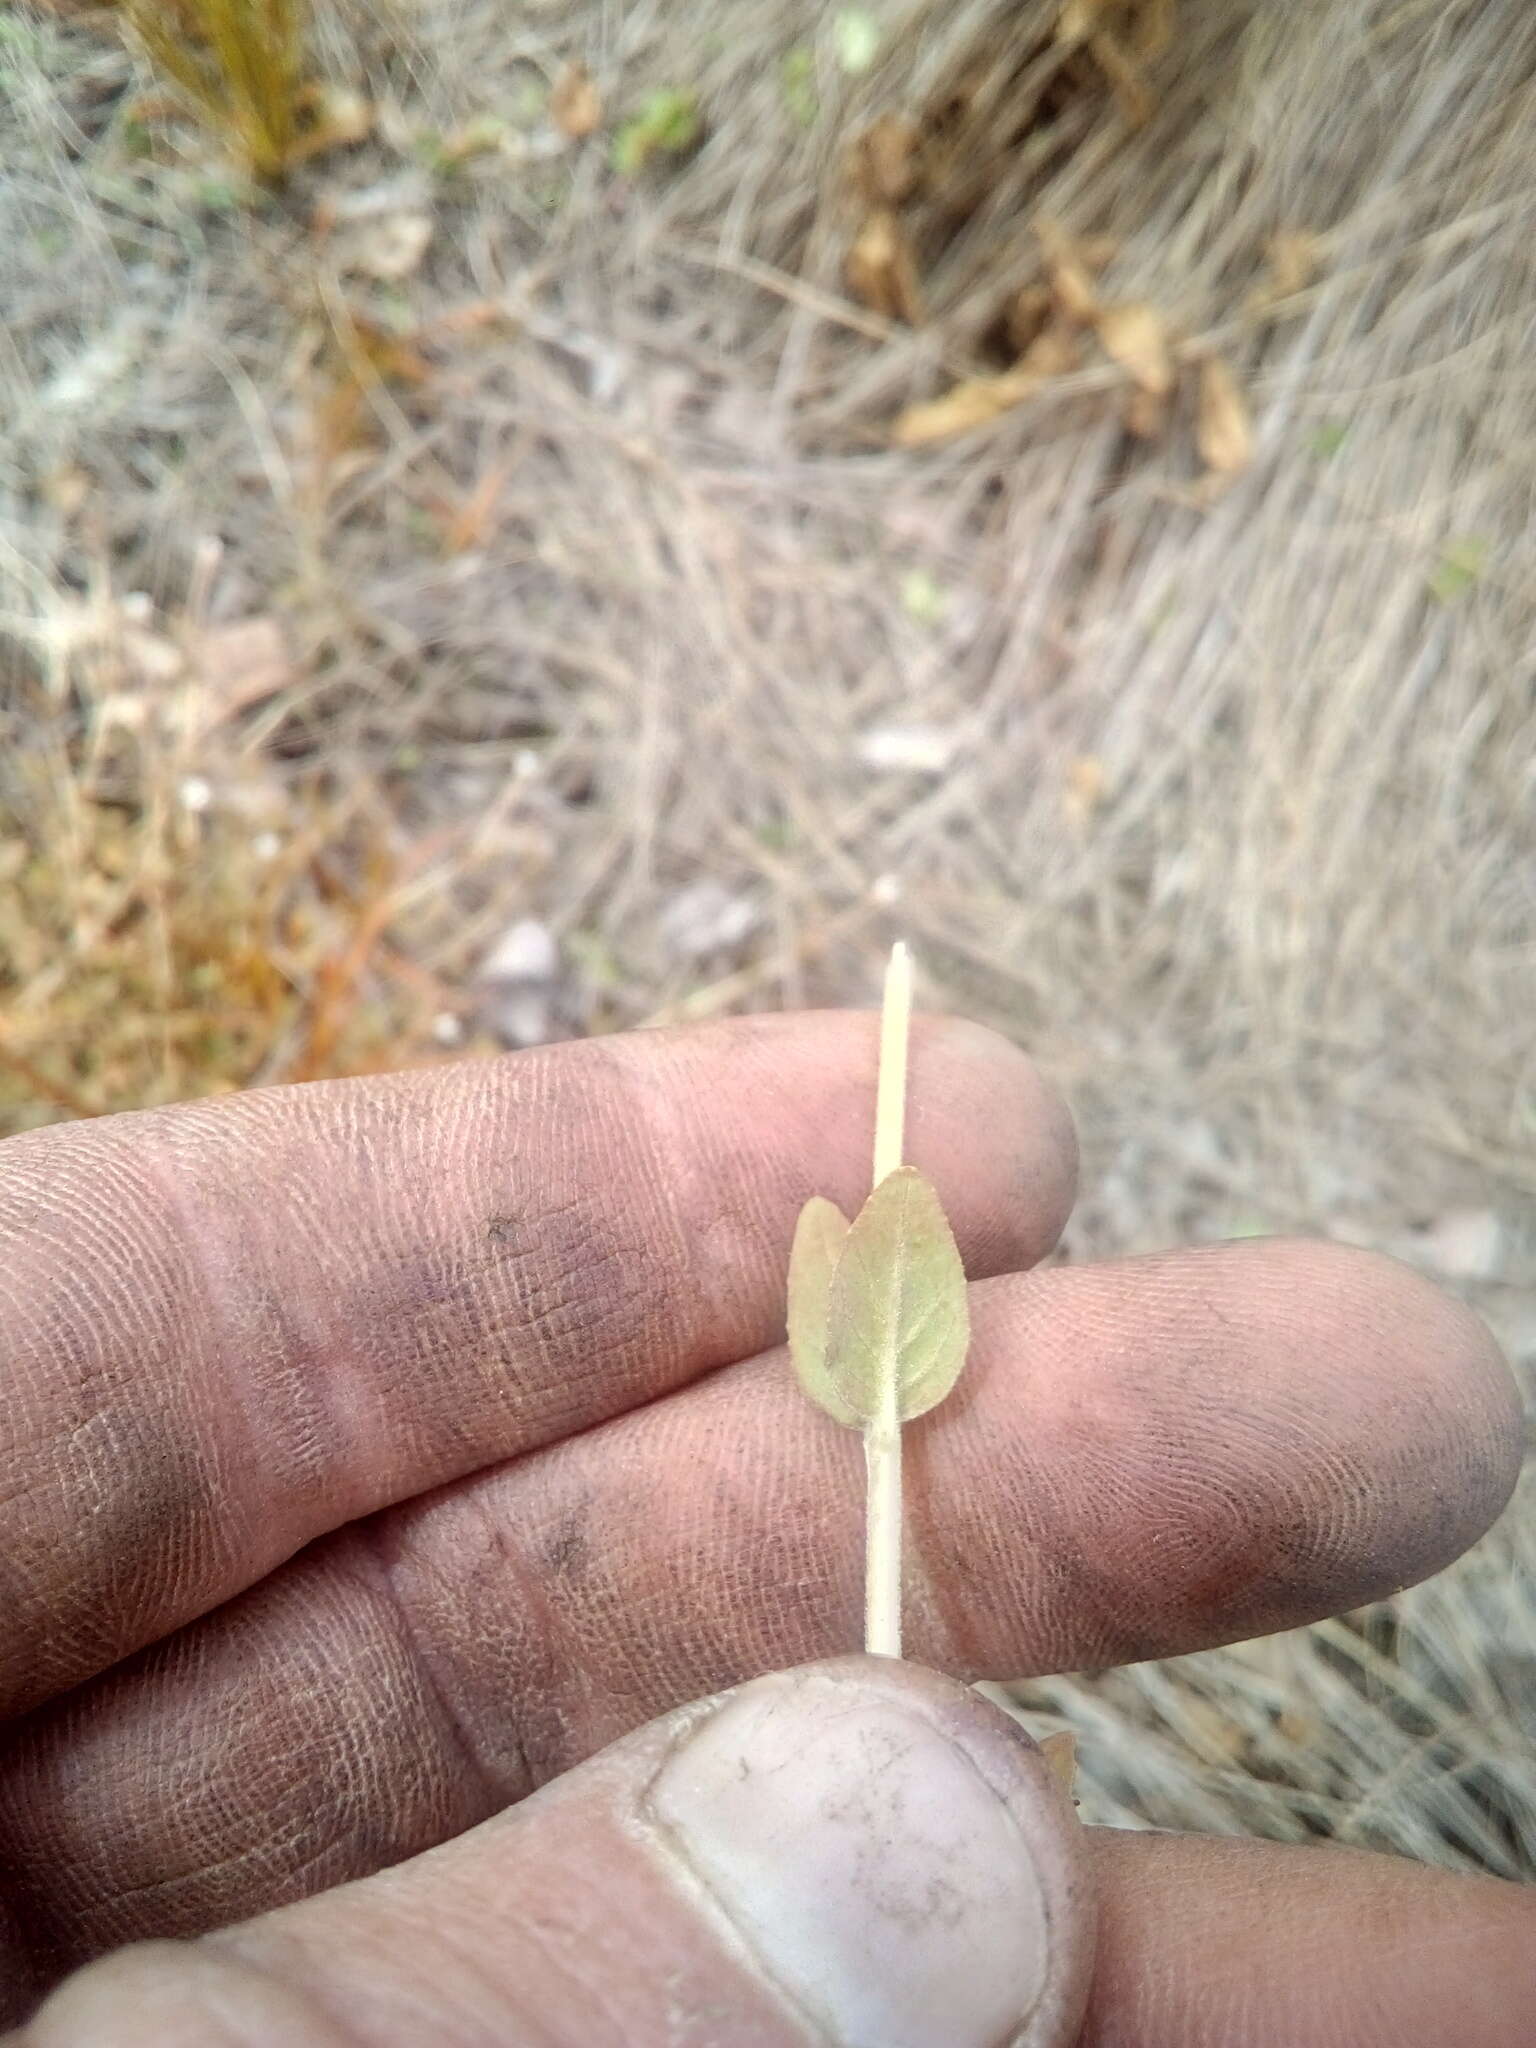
(377, 1452)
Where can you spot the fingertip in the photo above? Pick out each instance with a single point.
(797, 1093)
(1204, 1943)
(174, 1994)
(1017, 1120)
(1445, 1426)
(1201, 1446)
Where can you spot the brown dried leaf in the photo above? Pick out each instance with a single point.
(480, 135)
(1122, 36)
(976, 400)
(1053, 352)
(880, 269)
(240, 664)
(1156, 22)
(885, 160)
(1060, 1752)
(343, 114)
(1074, 290)
(1294, 256)
(1026, 316)
(371, 350)
(1069, 272)
(1085, 786)
(468, 318)
(65, 489)
(1145, 413)
(1095, 251)
(1125, 80)
(1145, 25)
(339, 418)
(1136, 336)
(1224, 428)
(469, 523)
(390, 247)
(971, 403)
(1078, 20)
(340, 117)
(575, 104)
(1073, 263)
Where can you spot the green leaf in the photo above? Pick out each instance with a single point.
(856, 37)
(897, 1313)
(819, 1238)
(797, 82)
(1460, 567)
(1328, 438)
(924, 597)
(668, 124)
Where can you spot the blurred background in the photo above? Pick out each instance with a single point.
(526, 520)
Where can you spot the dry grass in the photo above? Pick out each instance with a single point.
(240, 65)
(600, 578)
(152, 949)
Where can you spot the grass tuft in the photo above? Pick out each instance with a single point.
(240, 63)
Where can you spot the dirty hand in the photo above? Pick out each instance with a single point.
(378, 1453)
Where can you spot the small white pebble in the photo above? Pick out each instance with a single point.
(526, 951)
(908, 749)
(707, 917)
(447, 1029)
(266, 846)
(526, 764)
(1464, 1244)
(885, 890)
(195, 792)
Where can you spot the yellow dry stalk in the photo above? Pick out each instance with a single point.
(240, 62)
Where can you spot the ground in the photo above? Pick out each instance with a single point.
(500, 585)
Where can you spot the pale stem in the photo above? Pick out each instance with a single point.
(882, 1536)
(891, 1089)
(882, 1433)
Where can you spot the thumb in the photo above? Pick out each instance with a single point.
(857, 1853)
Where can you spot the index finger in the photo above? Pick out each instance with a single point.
(228, 1328)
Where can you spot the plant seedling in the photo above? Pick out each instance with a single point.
(878, 1319)
(669, 124)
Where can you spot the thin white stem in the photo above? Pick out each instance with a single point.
(882, 1433)
(882, 1556)
(891, 1088)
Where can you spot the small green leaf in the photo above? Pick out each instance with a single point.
(819, 1238)
(1245, 1225)
(1460, 567)
(797, 82)
(777, 834)
(1328, 438)
(923, 597)
(897, 1309)
(668, 124)
(856, 35)
(217, 195)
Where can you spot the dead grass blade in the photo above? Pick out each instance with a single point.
(240, 63)
(1225, 427)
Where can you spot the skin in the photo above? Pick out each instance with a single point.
(378, 1453)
